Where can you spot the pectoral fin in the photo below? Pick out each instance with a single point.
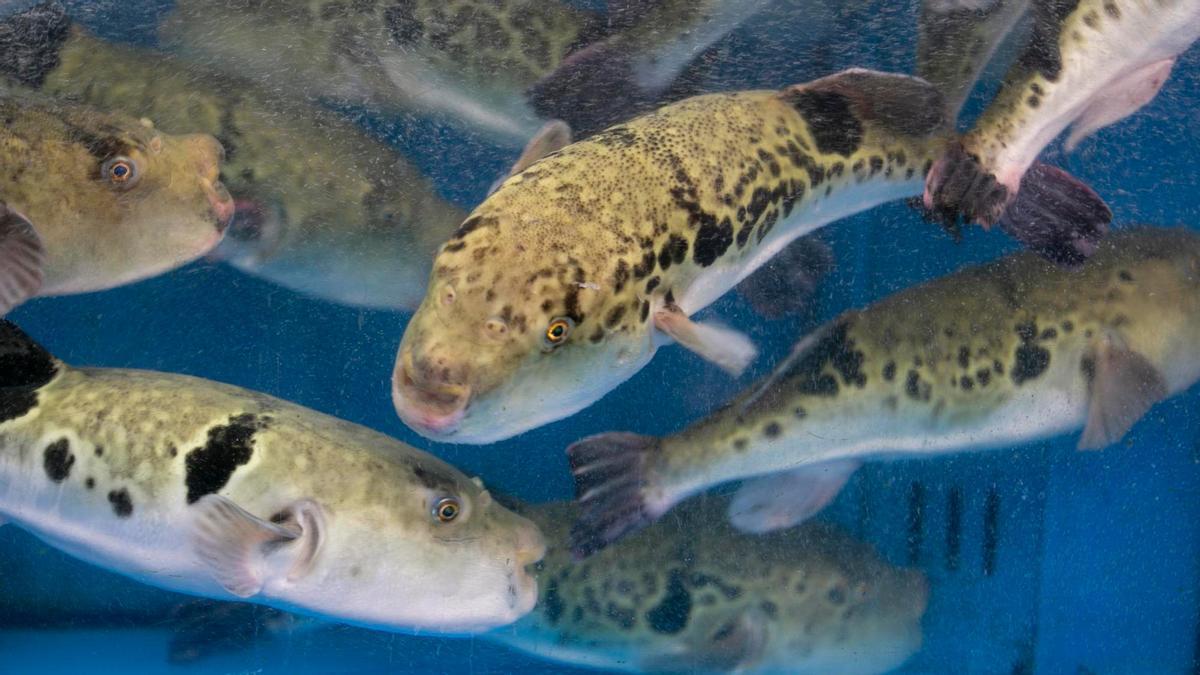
(234, 544)
(21, 259)
(782, 500)
(728, 349)
(734, 642)
(1122, 386)
(552, 137)
(1119, 100)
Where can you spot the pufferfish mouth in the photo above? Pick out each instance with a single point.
(434, 411)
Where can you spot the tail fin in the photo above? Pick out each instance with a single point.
(610, 474)
(30, 42)
(1053, 213)
(24, 363)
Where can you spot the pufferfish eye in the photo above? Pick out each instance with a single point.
(558, 330)
(447, 509)
(120, 172)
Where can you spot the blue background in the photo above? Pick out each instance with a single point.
(1096, 555)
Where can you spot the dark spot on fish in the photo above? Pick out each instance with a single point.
(402, 23)
(1124, 275)
(1027, 331)
(471, 224)
(122, 505)
(671, 615)
(800, 413)
(653, 284)
(1067, 326)
(643, 269)
(712, 240)
(645, 310)
(620, 276)
(16, 403)
(209, 467)
(1048, 334)
(876, 163)
(89, 483)
(596, 336)
(99, 450)
(770, 609)
(1030, 361)
(1042, 53)
(967, 383)
(772, 430)
(455, 246)
(1112, 10)
(998, 367)
(1033, 101)
(615, 315)
(984, 376)
(831, 120)
(553, 603)
(622, 616)
(434, 479)
(58, 460)
(837, 595)
(739, 443)
(964, 357)
(889, 371)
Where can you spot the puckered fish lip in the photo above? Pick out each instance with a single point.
(531, 548)
(222, 203)
(432, 412)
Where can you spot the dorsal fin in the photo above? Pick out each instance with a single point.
(23, 362)
(837, 104)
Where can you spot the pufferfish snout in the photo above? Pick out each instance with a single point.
(431, 390)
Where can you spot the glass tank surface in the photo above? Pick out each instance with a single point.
(559, 336)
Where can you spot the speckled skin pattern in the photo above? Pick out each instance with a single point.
(674, 207)
(486, 51)
(1077, 50)
(111, 466)
(333, 212)
(990, 356)
(667, 597)
(98, 235)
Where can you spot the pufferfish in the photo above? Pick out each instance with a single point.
(567, 279)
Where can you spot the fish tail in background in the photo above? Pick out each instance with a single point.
(786, 283)
(21, 259)
(592, 89)
(24, 364)
(30, 42)
(1053, 213)
(610, 477)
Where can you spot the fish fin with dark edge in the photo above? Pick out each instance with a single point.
(1119, 100)
(781, 500)
(1057, 216)
(24, 364)
(30, 41)
(733, 641)
(957, 187)
(728, 349)
(21, 259)
(787, 282)
(903, 104)
(552, 137)
(234, 544)
(1122, 387)
(610, 474)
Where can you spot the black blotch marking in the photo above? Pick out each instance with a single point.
(122, 505)
(712, 241)
(991, 518)
(1029, 360)
(1125, 276)
(90, 483)
(58, 460)
(916, 521)
(1042, 54)
(916, 388)
(209, 468)
(700, 580)
(645, 312)
(596, 336)
(622, 616)
(402, 23)
(998, 367)
(831, 120)
(434, 479)
(739, 443)
(471, 224)
(16, 403)
(1048, 334)
(836, 596)
(614, 317)
(984, 376)
(964, 358)
(620, 276)
(99, 450)
(954, 513)
(1033, 101)
(553, 603)
(653, 284)
(800, 413)
(671, 615)
(889, 371)
(455, 246)
(772, 430)
(24, 367)
(1067, 326)
(967, 383)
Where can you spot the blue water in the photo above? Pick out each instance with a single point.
(1070, 562)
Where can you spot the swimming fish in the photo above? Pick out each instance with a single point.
(468, 63)
(91, 200)
(323, 208)
(631, 70)
(988, 357)
(1088, 64)
(957, 38)
(215, 491)
(695, 595)
(565, 281)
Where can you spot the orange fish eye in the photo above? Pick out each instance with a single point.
(447, 509)
(120, 171)
(557, 331)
